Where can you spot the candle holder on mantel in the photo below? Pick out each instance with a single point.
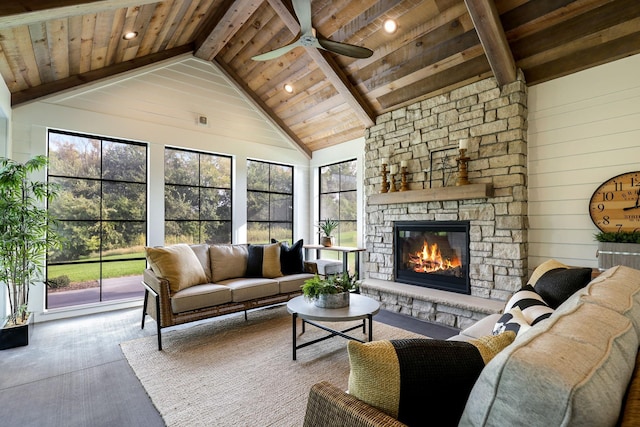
(403, 182)
(463, 174)
(392, 178)
(385, 184)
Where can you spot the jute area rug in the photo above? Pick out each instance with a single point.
(232, 372)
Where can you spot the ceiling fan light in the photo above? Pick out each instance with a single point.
(130, 35)
(390, 26)
(288, 88)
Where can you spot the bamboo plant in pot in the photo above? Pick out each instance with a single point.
(332, 291)
(26, 233)
(327, 226)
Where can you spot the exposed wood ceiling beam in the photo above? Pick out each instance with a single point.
(486, 19)
(91, 76)
(27, 12)
(235, 16)
(264, 107)
(330, 68)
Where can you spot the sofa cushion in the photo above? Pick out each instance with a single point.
(533, 307)
(293, 282)
(513, 320)
(227, 261)
(572, 369)
(245, 289)
(401, 377)
(178, 264)
(264, 261)
(201, 296)
(291, 258)
(555, 282)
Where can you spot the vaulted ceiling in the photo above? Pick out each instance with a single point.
(49, 46)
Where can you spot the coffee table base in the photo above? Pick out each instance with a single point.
(332, 332)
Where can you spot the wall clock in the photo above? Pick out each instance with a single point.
(615, 205)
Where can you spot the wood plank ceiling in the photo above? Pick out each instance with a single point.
(50, 46)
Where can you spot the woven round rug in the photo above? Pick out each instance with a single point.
(232, 372)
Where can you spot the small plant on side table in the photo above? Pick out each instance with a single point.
(327, 226)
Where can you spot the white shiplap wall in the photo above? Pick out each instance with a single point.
(583, 129)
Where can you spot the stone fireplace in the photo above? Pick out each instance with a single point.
(425, 136)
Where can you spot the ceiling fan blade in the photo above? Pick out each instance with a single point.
(302, 9)
(277, 52)
(345, 49)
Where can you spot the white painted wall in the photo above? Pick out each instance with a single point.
(583, 129)
(5, 146)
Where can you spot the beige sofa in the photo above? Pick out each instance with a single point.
(185, 283)
(575, 368)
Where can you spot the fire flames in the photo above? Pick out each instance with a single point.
(429, 260)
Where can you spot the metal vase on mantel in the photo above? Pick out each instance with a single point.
(339, 300)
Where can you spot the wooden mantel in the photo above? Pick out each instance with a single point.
(463, 192)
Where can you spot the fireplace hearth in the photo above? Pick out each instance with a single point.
(433, 254)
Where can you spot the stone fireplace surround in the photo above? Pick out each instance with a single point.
(426, 136)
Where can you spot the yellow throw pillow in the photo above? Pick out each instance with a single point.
(178, 264)
(490, 345)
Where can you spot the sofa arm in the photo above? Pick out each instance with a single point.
(161, 288)
(329, 406)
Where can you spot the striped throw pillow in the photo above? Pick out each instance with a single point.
(533, 307)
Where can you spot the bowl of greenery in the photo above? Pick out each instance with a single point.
(332, 291)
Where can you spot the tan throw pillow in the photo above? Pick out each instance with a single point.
(178, 264)
(264, 261)
(227, 261)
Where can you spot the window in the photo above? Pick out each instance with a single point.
(102, 213)
(269, 202)
(338, 200)
(197, 197)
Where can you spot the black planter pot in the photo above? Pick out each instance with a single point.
(16, 336)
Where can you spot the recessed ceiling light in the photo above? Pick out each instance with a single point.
(288, 88)
(130, 35)
(390, 26)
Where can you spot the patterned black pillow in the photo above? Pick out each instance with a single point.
(513, 320)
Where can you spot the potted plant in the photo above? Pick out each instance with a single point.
(330, 292)
(618, 248)
(26, 233)
(327, 226)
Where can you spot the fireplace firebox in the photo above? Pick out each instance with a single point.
(433, 254)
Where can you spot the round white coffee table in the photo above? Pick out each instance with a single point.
(360, 308)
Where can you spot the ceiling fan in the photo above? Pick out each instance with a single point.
(308, 38)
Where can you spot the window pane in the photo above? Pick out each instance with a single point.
(121, 280)
(181, 232)
(281, 207)
(257, 176)
(180, 167)
(282, 231)
(329, 206)
(123, 240)
(124, 201)
(124, 162)
(215, 204)
(77, 199)
(348, 176)
(82, 284)
(216, 232)
(180, 202)
(257, 206)
(281, 179)
(215, 171)
(81, 239)
(258, 232)
(348, 206)
(74, 156)
(330, 178)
